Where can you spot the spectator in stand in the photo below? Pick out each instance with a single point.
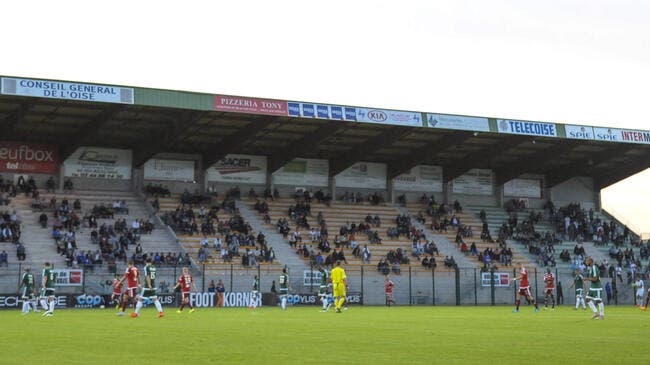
(21, 252)
(68, 186)
(50, 185)
(4, 258)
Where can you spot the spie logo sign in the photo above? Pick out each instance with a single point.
(377, 116)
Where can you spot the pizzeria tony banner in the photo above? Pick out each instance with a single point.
(239, 104)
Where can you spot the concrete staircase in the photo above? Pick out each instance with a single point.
(285, 255)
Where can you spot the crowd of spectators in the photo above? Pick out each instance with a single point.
(349, 197)
(112, 238)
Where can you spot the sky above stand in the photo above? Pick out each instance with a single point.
(579, 62)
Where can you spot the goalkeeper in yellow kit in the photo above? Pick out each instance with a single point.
(339, 283)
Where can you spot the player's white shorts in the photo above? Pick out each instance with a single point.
(640, 292)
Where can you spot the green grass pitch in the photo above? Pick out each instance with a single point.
(302, 335)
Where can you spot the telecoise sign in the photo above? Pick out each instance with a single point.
(527, 128)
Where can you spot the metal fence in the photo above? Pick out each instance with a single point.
(413, 285)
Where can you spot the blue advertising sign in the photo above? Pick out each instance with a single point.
(322, 111)
(351, 114)
(337, 112)
(308, 110)
(293, 109)
(527, 128)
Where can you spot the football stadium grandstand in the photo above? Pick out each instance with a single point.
(234, 187)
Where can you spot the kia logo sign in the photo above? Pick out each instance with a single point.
(377, 116)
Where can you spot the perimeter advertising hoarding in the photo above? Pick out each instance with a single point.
(422, 178)
(523, 188)
(230, 299)
(172, 170)
(303, 172)
(579, 132)
(69, 277)
(458, 122)
(364, 175)
(244, 169)
(240, 104)
(321, 111)
(28, 158)
(67, 90)
(500, 279)
(527, 128)
(475, 181)
(391, 117)
(98, 162)
(621, 135)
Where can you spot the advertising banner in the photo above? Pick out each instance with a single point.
(523, 188)
(303, 171)
(422, 178)
(28, 158)
(321, 111)
(310, 278)
(392, 117)
(69, 277)
(98, 162)
(579, 132)
(230, 299)
(527, 128)
(244, 169)
(365, 175)
(630, 136)
(67, 90)
(240, 104)
(353, 298)
(88, 301)
(475, 181)
(174, 170)
(500, 279)
(621, 135)
(458, 122)
(608, 134)
(13, 301)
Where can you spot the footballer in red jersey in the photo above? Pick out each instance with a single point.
(549, 290)
(524, 289)
(116, 297)
(132, 278)
(185, 283)
(388, 286)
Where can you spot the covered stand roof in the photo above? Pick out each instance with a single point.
(172, 121)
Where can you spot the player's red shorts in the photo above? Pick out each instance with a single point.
(525, 292)
(549, 291)
(186, 295)
(131, 292)
(116, 295)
